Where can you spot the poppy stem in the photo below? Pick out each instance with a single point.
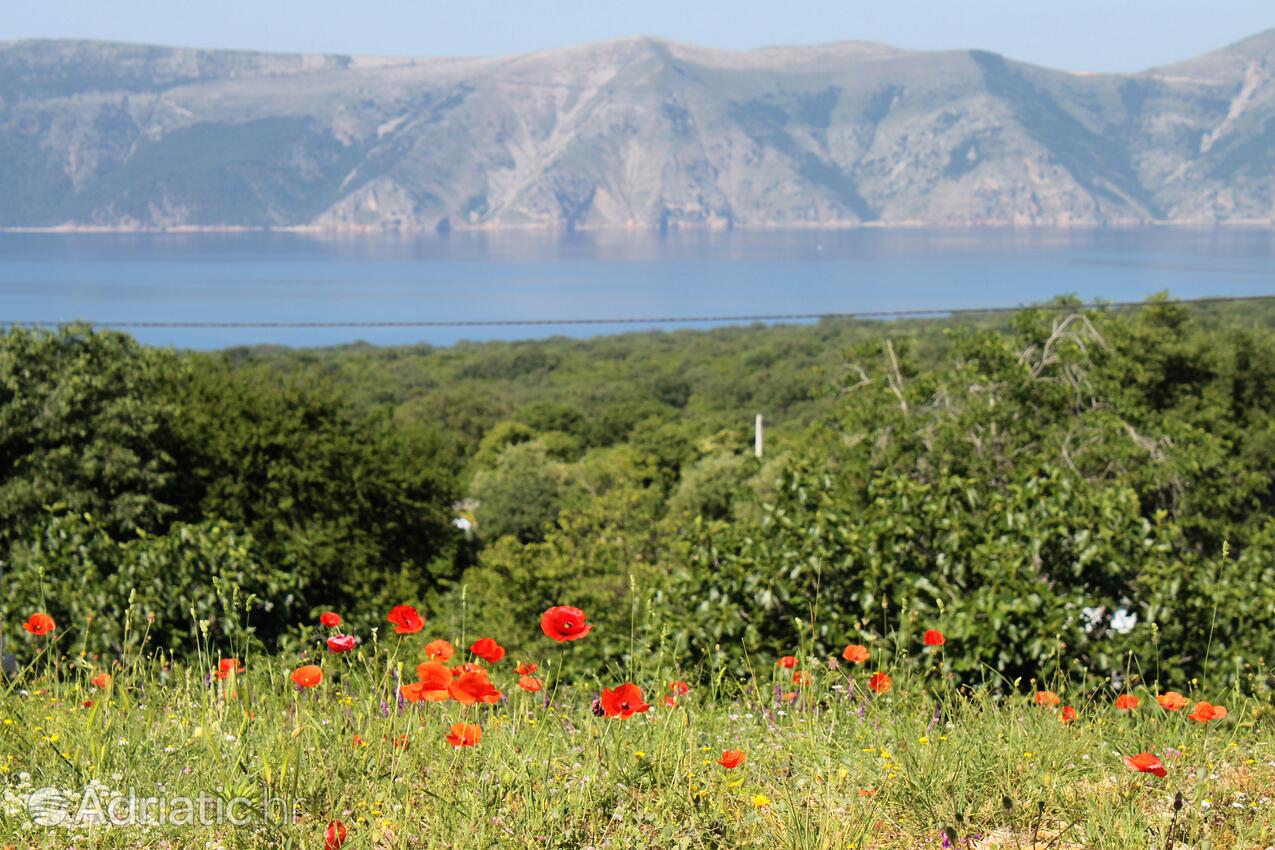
(557, 676)
(296, 765)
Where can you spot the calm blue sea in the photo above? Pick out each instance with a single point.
(486, 277)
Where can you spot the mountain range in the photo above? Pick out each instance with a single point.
(638, 133)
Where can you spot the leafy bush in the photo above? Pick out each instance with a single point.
(709, 488)
(521, 495)
(1017, 499)
(358, 509)
(85, 424)
(602, 550)
(81, 574)
(176, 459)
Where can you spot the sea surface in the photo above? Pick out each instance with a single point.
(480, 278)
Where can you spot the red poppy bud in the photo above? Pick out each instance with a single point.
(334, 837)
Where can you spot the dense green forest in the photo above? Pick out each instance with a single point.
(1055, 478)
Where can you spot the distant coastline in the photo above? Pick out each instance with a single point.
(369, 230)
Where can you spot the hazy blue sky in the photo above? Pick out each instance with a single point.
(1074, 34)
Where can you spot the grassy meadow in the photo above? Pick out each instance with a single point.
(834, 754)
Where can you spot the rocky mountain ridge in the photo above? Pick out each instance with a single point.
(639, 133)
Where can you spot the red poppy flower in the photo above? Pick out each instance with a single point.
(334, 837)
(1204, 712)
(488, 650)
(855, 653)
(788, 661)
(933, 637)
(679, 688)
(436, 675)
(412, 691)
(1127, 702)
(342, 643)
(880, 683)
(1172, 701)
(1067, 715)
(406, 619)
(402, 742)
(433, 682)
(469, 688)
(329, 619)
(732, 759)
(226, 666)
(101, 680)
(430, 688)
(1047, 698)
(623, 702)
(308, 676)
(563, 623)
(465, 735)
(439, 650)
(670, 702)
(800, 678)
(526, 668)
(530, 683)
(1146, 763)
(790, 697)
(39, 624)
(468, 668)
(358, 740)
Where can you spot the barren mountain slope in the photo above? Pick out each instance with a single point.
(634, 133)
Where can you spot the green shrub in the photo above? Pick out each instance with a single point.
(82, 576)
(1017, 499)
(85, 424)
(358, 508)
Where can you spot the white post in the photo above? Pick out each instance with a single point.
(758, 442)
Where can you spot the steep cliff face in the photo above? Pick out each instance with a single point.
(636, 133)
